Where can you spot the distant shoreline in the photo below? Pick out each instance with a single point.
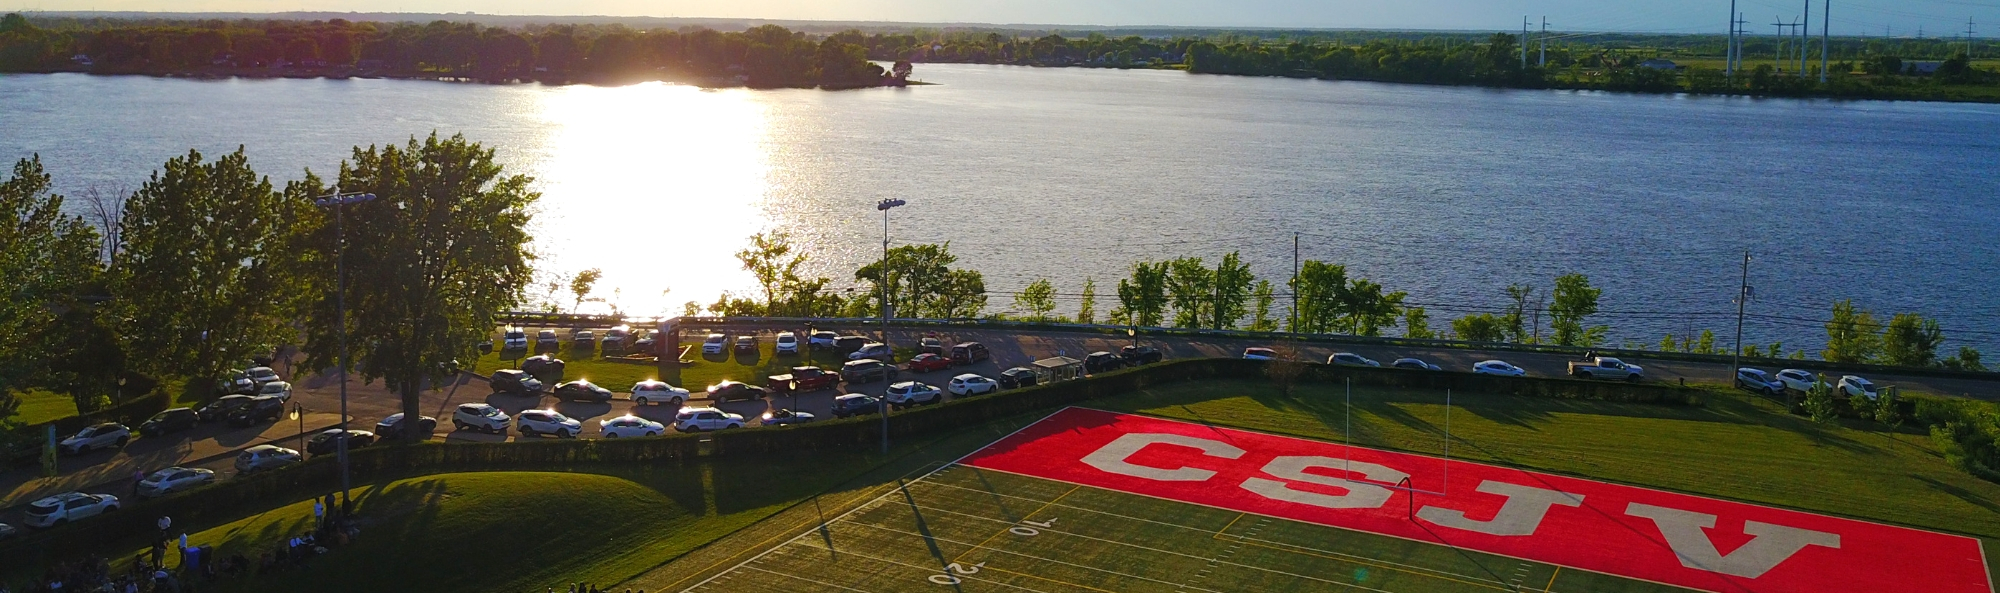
(545, 78)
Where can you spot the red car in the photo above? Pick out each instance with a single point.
(927, 362)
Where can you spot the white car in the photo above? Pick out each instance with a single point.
(700, 419)
(109, 435)
(714, 344)
(262, 375)
(540, 422)
(1259, 354)
(875, 350)
(788, 343)
(628, 426)
(480, 417)
(174, 479)
(971, 384)
(1498, 367)
(822, 339)
(1350, 359)
(281, 389)
(1851, 386)
(912, 393)
(69, 506)
(514, 339)
(649, 392)
(1799, 380)
(263, 457)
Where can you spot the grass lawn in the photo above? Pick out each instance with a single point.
(40, 405)
(706, 369)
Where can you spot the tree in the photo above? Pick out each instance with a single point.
(46, 258)
(1515, 318)
(1191, 287)
(204, 281)
(1573, 300)
(1367, 310)
(581, 285)
(770, 260)
(1038, 299)
(1852, 336)
(922, 284)
(1264, 295)
(1231, 282)
(1417, 324)
(1912, 341)
(1086, 313)
(1318, 288)
(1483, 327)
(1967, 360)
(961, 295)
(1819, 404)
(1143, 297)
(444, 247)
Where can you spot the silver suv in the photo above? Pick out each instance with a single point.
(69, 506)
(263, 457)
(480, 417)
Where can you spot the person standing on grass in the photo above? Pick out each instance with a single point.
(319, 515)
(138, 475)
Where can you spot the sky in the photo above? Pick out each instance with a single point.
(1852, 17)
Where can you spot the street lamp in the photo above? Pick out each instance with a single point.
(337, 201)
(884, 206)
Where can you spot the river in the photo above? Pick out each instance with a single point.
(1447, 193)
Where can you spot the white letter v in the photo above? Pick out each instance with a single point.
(1769, 544)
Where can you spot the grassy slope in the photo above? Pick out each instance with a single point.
(1735, 447)
(38, 406)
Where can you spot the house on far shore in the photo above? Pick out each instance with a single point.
(1659, 64)
(80, 59)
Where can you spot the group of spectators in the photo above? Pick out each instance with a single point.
(149, 572)
(582, 588)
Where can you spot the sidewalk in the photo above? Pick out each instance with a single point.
(111, 471)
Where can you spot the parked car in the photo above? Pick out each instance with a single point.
(583, 340)
(67, 507)
(729, 390)
(260, 408)
(1851, 386)
(279, 389)
(543, 366)
(1259, 354)
(912, 393)
(785, 417)
(221, 407)
(855, 404)
(616, 340)
(700, 419)
(822, 339)
(481, 417)
(238, 383)
(646, 342)
(1799, 380)
(1350, 359)
(875, 350)
(1100, 362)
(545, 341)
(328, 442)
(746, 344)
(1759, 381)
(649, 392)
(629, 426)
(1415, 363)
(108, 435)
(927, 362)
(968, 353)
(1498, 367)
(931, 345)
(787, 343)
(1138, 355)
(582, 390)
(170, 421)
(801, 380)
(173, 479)
(514, 338)
(265, 457)
(850, 343)
(391, 428)
(714, 343)
(550, 422)
(515, 382)
(971, 384)
(867, 370)
(261, 375)
(1018, 377)
(1605, 367)
(6, 531)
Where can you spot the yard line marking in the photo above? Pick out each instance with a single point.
(1232, 523)
(996, 534)
(1275, 545)
(1028, 556)
(929, 570)
(1041, 578)
(793, 576)
(852, 511)
(1552, 580)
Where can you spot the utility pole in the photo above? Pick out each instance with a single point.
(1742, 31)
(1524, 42)
(1544, 60)
(1295, 286)
(1729, 53)
(1742, 298)
(883, 406)
(1825, 38)
(1803, 39)
(1968, 37)
(1778, 53)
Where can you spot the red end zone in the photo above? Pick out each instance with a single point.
(1676, 539)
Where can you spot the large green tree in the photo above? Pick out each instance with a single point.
(770, 260)
(441, 250)
(1038, 299)
(1573, 301)
(46, 259)
(1142, 299)
(208, 276)
(1232, 282)
(1853, 335)
(1912, 341)
(1365, 309)
(922, 283)
(1318, 289)
(1191, 289)
(1483, 327)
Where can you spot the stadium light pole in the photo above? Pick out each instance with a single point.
(337, 201)
(884, 206)
(1742, 299)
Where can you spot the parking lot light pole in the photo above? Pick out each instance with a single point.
(884, 206)
(337, 201)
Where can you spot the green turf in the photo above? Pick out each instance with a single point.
(41, 405)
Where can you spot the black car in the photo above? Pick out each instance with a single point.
(543, 366)
(391, 428)
(1018, 377)
(263, 407)
(644, 344)
(1138, 355)
(845, 344)
(515, 382)
(327, 443)
(728, 390)
(169, 422)
(968, 353)
(867, 370)
(221, 407)
(854, 404)
(1099, 362)
(582, 391)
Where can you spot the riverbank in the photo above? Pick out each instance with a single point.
(545, 78)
